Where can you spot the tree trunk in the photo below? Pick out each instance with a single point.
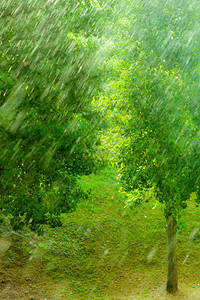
(172, 277)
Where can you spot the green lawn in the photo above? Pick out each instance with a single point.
(106, 251)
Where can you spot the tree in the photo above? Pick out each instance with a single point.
(159, 70)
(48, 126)
(160, 147)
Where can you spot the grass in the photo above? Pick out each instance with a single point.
(107, 251)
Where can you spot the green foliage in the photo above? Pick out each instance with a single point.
(160, 147)
(50, 71)
(158, 115)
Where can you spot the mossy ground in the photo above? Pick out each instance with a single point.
(103, 251)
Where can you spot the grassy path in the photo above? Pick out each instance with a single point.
(103, 251)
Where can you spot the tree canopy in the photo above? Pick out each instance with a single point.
(50, 67)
